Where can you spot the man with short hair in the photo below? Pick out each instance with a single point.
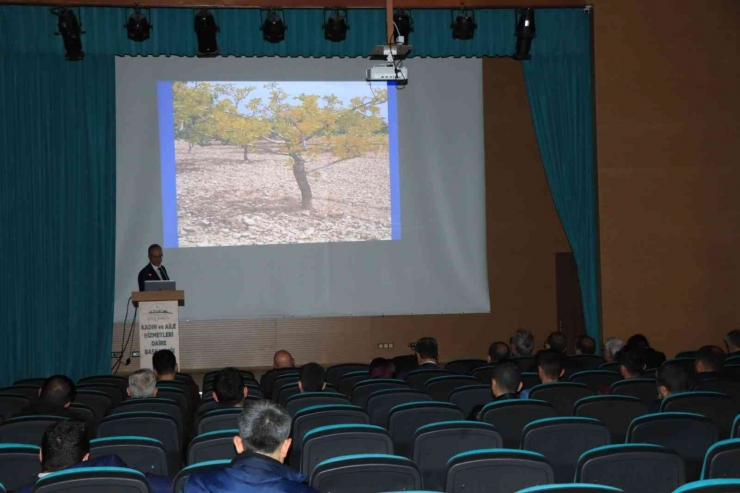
(585, 344)
(653, 358)
(670, 378)
(142, 384)
(381, 368)
(282, 359)
(556, 341)
(506, 383)
(732, 342)
(154, 270)
(498, 351)
(522, 343)
(312, 378)
(631, 362)
(709, 363)
(612, 346)
(166, 367)
(229, 389)
(55, 397)
(427, 352)
(263, 442)
(549, 368)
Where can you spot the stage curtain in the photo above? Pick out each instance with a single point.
(559, 89)
(57, 211)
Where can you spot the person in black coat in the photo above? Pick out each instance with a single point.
(56, 395)
(653, 358)
(709, 364)
(154, 270)
(671, 378)
(506, 383)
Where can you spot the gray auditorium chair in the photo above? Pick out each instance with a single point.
(471, 397)
(348, 380)
(711, 486)
(560, 395)
(596, 380)
(439, 388)
(362, 391)
(405, 419)
(27, 429)
(722, 460)
(30, 392)
(328, 442)
(511, 416)
(484, 374)
(418, 378)
(268, 379)
(219, 419)
(571, 488)
(615, 411)
(98, 401)
(720, 408)
(499, 470)
(587, 361)
(380, 403)
(111, 390)
(215, 445)
(366, 473)
(152, 405)
(464, 366)
(108, 479)
(335, 372)
(280, 382)
(118, 381)
(644, 389)
(736, 427)
(12, 404)
(178, 484)
(19, 465)
(146, 455)
(36, 382)
(530, 380)
(308, 399)
(526, 363)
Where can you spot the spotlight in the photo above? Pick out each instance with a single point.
(138, 26)
(274, 27)
(70, 29)
(525, 32)
(463, 26)
(404, 25)
(206, 29)
(336, 26)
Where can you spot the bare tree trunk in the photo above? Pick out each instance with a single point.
(190, 147)
(299, 172)
(246, 154)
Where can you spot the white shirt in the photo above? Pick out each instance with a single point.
(157, 271)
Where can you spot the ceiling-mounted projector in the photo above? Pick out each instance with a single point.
(387, 72)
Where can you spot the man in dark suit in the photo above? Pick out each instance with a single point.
(55, 397)
(427, 353)
(710, 361)
(154, 271)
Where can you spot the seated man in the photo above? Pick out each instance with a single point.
(522, 344)
(585, 344)
(312, 378)
(55, 397)
(65, 445)
(166, 367)
(506, 383)
(556, 341)
(631, 362)
(282, 359)
(229, 389)
(710, 361)
(381, 368)
(612, 346)
(498, 351)
(549, 368)
(670, 378)
(142, 384)
(263, 442)
(427, 353)
(653, 358)
(732, 342)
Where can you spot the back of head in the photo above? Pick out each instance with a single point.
(228, 384)
(639, 341)
(557, 342)
(380, 368)
(612, 346)
(710, 359)
(632, 360)
(586, 344)
(283, 359)
(522, 344)
(263, 427)
(58, 390)
(312, 377)
(498, 351)
(550, 363)
(427, 348)
(164, 362)
(507, 375)
(673, 376)
(142, 383)
(63, 445)
(732, 341)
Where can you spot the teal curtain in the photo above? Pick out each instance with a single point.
(57, 215)
(559, 88)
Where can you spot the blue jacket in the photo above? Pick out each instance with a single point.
(249, 473)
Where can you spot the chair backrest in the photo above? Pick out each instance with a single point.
(484, 374)
(208, 377)
(720, 408)
(268, 379)
(615, 411)
(19, 465)
(374, 472)
(348, 380)
(439, 388)
(417, 379)
(30, 392)
(118, 381)
(530, 379)
(435, 444)
(308, 399)
(27, 429)
(499, 470)
(178, 484)
(644, 389)
(180, 396)
(405, 419)
(587, 361)
(146, 455)
(571, 488)
(36, 382)
(285, 392)
(689, 434)
(736, 427)
(596, 380)
(362, 391)
(610, 366)
(563, 440)
(12, 404)
(686, 354)
(215, 445)
(99, 402)
(335, 372)
(152, 405)
(380, 403)
(511, 416)
(721, 385)
(633, 468)
(526, 363)
(83, 413)
(108, 479)
(282, 381)
(332, 441)
(711, 486)
(111, 390)
(471, 397)
(561, 395)
(722, 460)
(465, 366)
(219, 419)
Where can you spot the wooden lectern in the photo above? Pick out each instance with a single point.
(159, 326)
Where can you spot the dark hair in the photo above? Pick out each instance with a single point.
(733, 338)
(508, 375)
(153, 247)
(638, 341)
(632, 358)
(586, 344)
(380, 368)
(58, 389)
(557, 341)
(264, 426)
(164, 362)
(312, 377)
(551, 363)
(673, 376)
(523, 341)
(228, 384)
(427, 348)
(498, 351)
(712, 357)
(64, 444)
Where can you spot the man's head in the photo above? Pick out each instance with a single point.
(556, 341)
(228, 388)
(59, 390)
(498, 351)
(639, 341)
(264, 428)
(612, 346)
(710, 359)
(631, 361)
(506, 379)
(427, 350)
(522, 343)
(311, 378)
(381, 368)
(165, 364)
(585, 344)
(283, 359)
(550, 365)
(671, 378)
(732, 341)
(142, 383)
(155, 255)
(63, 445)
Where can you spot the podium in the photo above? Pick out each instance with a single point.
(159, 326)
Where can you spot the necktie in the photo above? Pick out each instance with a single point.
(163, 274)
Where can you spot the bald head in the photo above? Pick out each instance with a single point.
(283, 359)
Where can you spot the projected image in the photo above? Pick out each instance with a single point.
(258, 163)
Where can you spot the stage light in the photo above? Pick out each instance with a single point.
(336, 26)
(463, 26)
(138, 26)
(273, 27)
(525, 32)
(404, 25)
(206, 30)
(70, 29)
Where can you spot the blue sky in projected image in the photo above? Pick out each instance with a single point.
(344, 90)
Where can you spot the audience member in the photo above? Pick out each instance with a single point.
(142, 383)
(653, 358)
(670, 378)
(710, 361)
(381, 368)
(732, 342)
(282, 359)
(549, 367)
(229, 389)
(166, 367)
(427, 352)
(498, 351)
(612, 346)
(312, 378)
(262, 444)
(55, 397)
(585, 344)
(631, 362)
(556, 341)
(522, 344)
(506, 383)
(404, 364)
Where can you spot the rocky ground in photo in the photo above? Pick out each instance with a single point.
(224, 200)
